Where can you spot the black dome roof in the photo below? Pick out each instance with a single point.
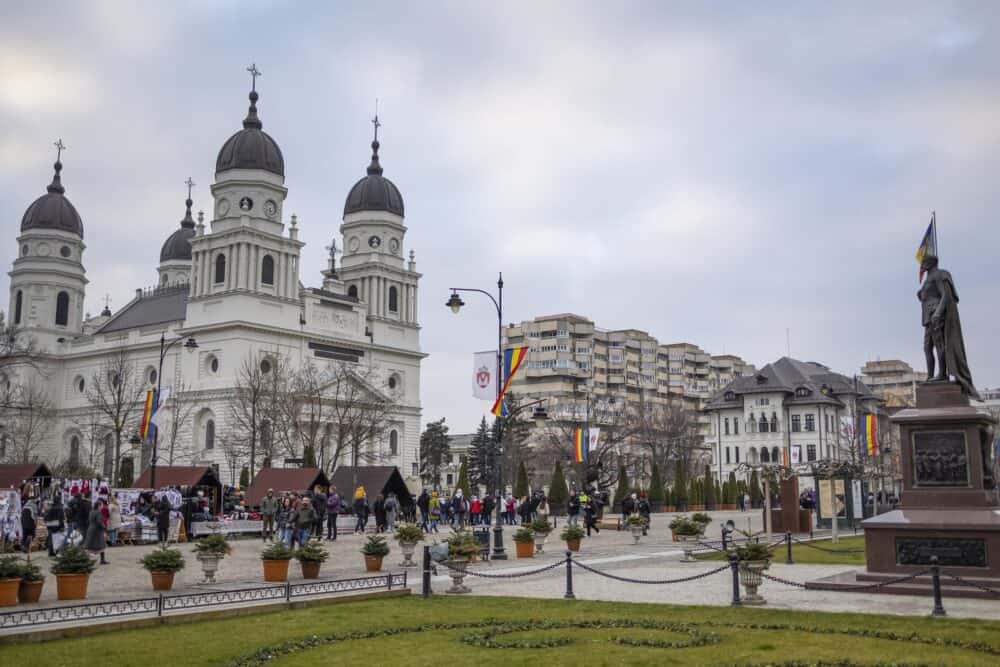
(178, 245)
(251, 147)
(53, 210)
(374, 192)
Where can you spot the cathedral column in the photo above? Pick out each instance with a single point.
(239, 265)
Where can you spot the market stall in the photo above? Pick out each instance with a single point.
(31, 480)
(375, 479)
(297, 480)
(194, 492)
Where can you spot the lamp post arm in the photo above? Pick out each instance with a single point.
(473, 289)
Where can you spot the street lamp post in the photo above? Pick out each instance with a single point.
(190, 344)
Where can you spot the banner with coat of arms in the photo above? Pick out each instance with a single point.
(484, 375)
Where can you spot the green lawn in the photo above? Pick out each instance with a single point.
(479, 631)
(815, 554)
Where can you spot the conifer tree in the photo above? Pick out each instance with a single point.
(463, 480)
(622, 490)
(655, 485)
(521, 487)
(558, 493)
(680, 488)
(755, 493)
(709, 486)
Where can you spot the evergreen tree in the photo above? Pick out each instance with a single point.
(521, 487)
(668, 495)
(655, 485)
(755, 493)
(709, 486)
(622, 490)
(434, 452)
(463, 479)
(725, 495)
(680, 488)
(483, 456)
(734, 488)
(558, 493)
(244, 477)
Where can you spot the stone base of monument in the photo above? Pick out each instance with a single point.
(849, 581)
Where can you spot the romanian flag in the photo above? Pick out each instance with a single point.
(869, 435)
(928, 246)
(512, 359)
(148, 408)
(580, 445)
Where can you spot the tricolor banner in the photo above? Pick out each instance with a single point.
(868, 432)
(580, 441)
(512, 360)
(148, 408)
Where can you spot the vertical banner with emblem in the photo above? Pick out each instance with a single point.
(484, 375)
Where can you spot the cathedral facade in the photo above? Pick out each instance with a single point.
(229, 293)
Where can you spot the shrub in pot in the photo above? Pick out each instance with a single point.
(275, 558)
(684, 527)
(162, 564)
(10, 580)
(572, 536)
(374, 550)
(72, 568)
(701, 518)
(408, 534)
(541, 526)
(209, 551)
(462, 545)
(753, 551)
(310, 556)
(753, 558)
(524, 542)
(32, 581)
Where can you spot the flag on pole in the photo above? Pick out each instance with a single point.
(580, 440)
(484, 375)
(868, 430)
(147, 413)
(928, 245)
(159, 409)
(512, 359)
(593, 434)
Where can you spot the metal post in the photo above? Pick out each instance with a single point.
(734, 564)
(159, 605)
(788, 548)
(288, 591)
(724, 536)
(936, 584)
(388, 581)
(426, 584)
(156, 431)
(569, 576)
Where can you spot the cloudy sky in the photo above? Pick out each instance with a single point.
(716, 173)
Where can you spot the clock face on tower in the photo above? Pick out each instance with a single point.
(246, 204)
(270, 208)
(374, 241)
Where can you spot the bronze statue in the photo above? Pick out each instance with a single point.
(942, 328)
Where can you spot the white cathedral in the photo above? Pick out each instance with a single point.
(233, 285)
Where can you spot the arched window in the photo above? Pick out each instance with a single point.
(62, 309)
(18, 301)
(220, 268)
(267, 270)
(210, 434)
(774, 422)
(775, 455)
(393, 300)
(393, 443)
(762, 425)
(752, 423)
(352, 291)
(765, 456)
(74, 451)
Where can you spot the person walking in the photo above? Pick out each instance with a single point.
(573, 509)
(628, 507)
(644, 509)
(378, 509)
(28, 526)
(391, 511)
(475, 508)
(460, 508)
(423, 504)
(589, 513)
(360, 510)
(332, 513)
(83, 509)
(268, 510)
(319, 507)
(285, 518)
(542, 509)
(305, 521)
(114, 520)
(163, 520)
(55, 523)
(509, 506)
(486, 515)
(434, 508)
(746, 502)
(95, 541)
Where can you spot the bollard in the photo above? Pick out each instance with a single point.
(426, 587)
(569, 576)
(788, 544)
(936, 583)
(159, 605)
(288, 591)
(734, 563)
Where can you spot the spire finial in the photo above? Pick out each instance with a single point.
(107, 306)
(254, 73)
(374, 168)
(55, 187)
(375, 121)
(60, 147)
(190, 183)
(252, 121)
(188, 221)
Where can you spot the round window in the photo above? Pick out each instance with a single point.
(152, 376)
(214, 365)
(65, 251)
(265, 366)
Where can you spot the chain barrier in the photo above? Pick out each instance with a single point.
(497, 575)
(972, 584)
(711, 546)
(863, 587)
(829, 551)
(629, 580)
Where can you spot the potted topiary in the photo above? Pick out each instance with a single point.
(32, 581)
(72, 568)
(753, 558)
(310, 556)
(636, 524)
(408, 534)
(163, 564)
(209, 551)
(374, 550)
(10, 580)
(541, 528)
(462, 547)
(572, 535)
(687, 531)
(524, 538)
(702, 519)
(275, 558)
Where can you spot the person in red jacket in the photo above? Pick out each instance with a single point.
(475, 507)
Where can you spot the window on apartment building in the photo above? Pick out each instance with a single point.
(810, 422)
(774, 422)
(810, 452)
(762, 424)
(449, 479)
(736, 426)
(737, 454)
(761, 402)
(726, 425)
(796, 423)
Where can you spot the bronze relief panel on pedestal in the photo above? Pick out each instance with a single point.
(940, 458)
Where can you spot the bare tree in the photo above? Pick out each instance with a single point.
(17, 352)
(180, 406)
(115, 390)
(27, 425)
(669, 433)
(234, 451)
(247, 411)
(358, 413)
(308, 411)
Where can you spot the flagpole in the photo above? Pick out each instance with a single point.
(934, 228)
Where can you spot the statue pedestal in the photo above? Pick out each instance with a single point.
(948, 504)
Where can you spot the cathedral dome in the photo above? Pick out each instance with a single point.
(251, 147)
(178, 245)
(374, 192)
(53, 210)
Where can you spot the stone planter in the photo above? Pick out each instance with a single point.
(407, 548)
(275, 570)
(162, 581)
(209, 566)
(310, 569)
(524, 549)
(750, 578)
(8, 591)
(72, 586)
(573, 545)
(456, 571)
(373, 563)
(540, 541)
(30, 591)
(636, 533)
(687, 543)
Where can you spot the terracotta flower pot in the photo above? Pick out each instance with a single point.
(72, 586)
(162, 581)
(525, 549)
(310, 569)
(8, 591)
(30, 591)
(573, 545)
(275, 570)
(373, 563)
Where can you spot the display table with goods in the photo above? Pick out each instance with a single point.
(227, 526)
